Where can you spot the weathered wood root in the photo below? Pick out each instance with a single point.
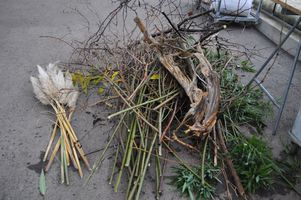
(204, 103)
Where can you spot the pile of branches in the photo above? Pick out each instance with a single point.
(168, 89)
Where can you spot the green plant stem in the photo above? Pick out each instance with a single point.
(65, 161)
(114, 165)
(158, 174)
(133, 189)
(139, 105)
(62, 159)
(142, 163)
(134, 129)
(141, 146)
(131, 141)
(132, 175)
(101, 156)
(160, 119)
(181, 161)
(122, 164)
(145, 167)
(160, 131)
(137, 112)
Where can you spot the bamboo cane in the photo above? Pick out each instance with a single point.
(56, 148)
(53, 134)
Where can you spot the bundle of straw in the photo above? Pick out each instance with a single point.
(55, 88)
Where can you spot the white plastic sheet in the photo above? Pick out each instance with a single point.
(234, 7)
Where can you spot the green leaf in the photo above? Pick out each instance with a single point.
(100, 90)
(257, 179)
(191, 196)
(98, 79)
(155, 77)
(246, 66)
(190, 40)
(114, 75)
(42, 183)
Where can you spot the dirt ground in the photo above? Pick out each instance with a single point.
(25, 124)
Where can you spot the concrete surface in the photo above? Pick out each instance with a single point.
(275, 82)
(275, 30)
(25, 124)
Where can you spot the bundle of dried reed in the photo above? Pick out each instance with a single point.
(55, 88)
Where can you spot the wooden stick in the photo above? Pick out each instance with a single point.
(76, 160)
(51, 140)
(68, 148)
(229, 163)
(226, 182)
(175, 138)
(55, 150)
(72, 157)
(67, 154)
(148, 38)
(215, 148)
(73, 145)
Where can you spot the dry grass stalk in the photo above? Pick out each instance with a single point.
(54, 87)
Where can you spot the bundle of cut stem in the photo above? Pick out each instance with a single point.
(148, 110)
(55, 88)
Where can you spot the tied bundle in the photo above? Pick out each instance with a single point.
(55, 88)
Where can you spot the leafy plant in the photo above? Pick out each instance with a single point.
(239, 105)
(86, 81)
(242, 105)
(247, 66)
(189, 183)
(253, 162)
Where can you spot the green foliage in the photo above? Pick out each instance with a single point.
(239, 105)
(86, 81)
(190, 41)
(253, 161)
(90, 81)
(247, 66)
(188, 181)
(242, 105)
